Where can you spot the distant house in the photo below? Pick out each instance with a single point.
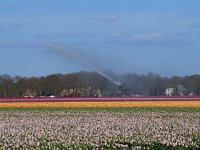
(83, 92)
(64, 93)
(170, 91)
(29, 93)
(181, 90)
(184, 91)
(97, 93)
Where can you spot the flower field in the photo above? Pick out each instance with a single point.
(99, 130)
(67, 124)
(118, 104)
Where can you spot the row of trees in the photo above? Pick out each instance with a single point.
(134, 84)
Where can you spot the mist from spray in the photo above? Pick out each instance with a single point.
(66, 52)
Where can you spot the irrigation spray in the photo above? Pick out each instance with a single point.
(68, 53)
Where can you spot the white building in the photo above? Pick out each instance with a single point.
(170, 91)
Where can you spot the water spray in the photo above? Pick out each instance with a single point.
(66, 52)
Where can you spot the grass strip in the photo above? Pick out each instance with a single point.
(152, 109)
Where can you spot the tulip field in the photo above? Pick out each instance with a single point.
(135, 102)
(100, 125)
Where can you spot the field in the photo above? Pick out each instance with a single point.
(100, 125)
(166, 102)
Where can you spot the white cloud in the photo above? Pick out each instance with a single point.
(150, 39)
(146, 37)
(126, 37)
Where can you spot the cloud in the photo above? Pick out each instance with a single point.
(146, 37)
(150, 39)
(104, 19)
(139, 37)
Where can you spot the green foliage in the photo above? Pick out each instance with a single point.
(156, 109)
(153, 146)
(134, 84)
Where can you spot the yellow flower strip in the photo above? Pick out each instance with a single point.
(173, 104)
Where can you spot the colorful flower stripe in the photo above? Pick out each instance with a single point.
(102, 99)
(173, 104)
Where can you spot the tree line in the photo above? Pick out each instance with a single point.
(131, 84)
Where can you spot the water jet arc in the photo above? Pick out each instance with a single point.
(66, 52)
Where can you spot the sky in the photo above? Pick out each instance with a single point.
(125, 36)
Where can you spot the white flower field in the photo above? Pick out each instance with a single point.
(99, 130)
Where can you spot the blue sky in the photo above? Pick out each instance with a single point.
(136, 36)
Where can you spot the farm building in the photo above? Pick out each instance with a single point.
(170, 91)
(182, 90)
(82, 92)
(29, 93)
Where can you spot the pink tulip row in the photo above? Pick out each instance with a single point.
(102, 99)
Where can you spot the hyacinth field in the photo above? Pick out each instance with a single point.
(100, 129)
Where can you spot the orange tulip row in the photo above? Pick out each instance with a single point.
(150, 104)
